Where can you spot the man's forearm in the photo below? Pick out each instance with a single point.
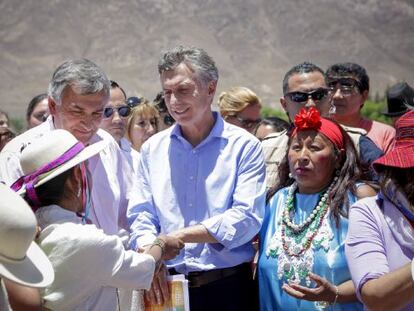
(194, 234)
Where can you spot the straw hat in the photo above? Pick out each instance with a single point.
(402, 153)
(51, 155)
(21, 260)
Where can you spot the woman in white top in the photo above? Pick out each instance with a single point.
(89, 264)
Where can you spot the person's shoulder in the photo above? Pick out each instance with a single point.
(354, 130)
(382, 126)
(74, 235)
(364, 190)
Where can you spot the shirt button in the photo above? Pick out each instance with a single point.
(191, 177)
(190, 204)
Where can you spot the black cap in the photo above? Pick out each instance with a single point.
(400, 99)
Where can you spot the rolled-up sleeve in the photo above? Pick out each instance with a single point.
(240, 223)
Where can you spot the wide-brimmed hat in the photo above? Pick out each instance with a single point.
(49, 156)
(400, 99)
(21, 260)
(402, 153)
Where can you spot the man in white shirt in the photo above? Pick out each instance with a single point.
(78, 93)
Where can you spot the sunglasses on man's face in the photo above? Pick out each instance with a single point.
(302, 97)
(123, 111)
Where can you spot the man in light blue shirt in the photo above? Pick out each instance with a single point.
(203, 181)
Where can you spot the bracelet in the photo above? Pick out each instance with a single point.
(160, 243)
(336, 296)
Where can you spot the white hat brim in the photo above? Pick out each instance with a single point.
(35, 270)
(82, 156)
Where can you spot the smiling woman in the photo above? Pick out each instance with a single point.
(302, 264)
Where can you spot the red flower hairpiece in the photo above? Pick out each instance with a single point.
(308, 119)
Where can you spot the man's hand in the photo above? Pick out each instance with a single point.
(172, 246)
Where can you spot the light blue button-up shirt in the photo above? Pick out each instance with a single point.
(220, 184)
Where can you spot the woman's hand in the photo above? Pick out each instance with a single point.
(159, 292)
(324, 291)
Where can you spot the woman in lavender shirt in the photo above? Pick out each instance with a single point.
(380, 242)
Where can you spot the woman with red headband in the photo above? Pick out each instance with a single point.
(380, 242)
(302, 263)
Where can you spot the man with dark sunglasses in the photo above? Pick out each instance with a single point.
(349, 85)
(114, 121)
(304, 86)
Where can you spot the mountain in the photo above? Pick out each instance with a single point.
(253, 42)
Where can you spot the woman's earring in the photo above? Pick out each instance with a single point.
(290, 175)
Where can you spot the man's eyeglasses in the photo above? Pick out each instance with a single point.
(123, 111)
(133, 101)
(345, 85)
(302, 97)
(246, 123)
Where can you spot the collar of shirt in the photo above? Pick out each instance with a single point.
(216, 132)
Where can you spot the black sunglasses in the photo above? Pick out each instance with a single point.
(169, 120)
(301, 97)
(123, 111)
(133, 101)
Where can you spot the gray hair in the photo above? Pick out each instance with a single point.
(195, 58)
(84, 76)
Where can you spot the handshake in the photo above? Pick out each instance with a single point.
(165, 247)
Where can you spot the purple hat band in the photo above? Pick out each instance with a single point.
(30, 180)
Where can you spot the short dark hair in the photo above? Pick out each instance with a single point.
(341, 70)
(33, 103)
(277, 123)
(401, 177)
(305, 67)
(159, 102)
(115, 85)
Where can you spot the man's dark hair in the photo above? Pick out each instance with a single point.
(305, 67)
(115, 85)
(33, 103)
(356, 71)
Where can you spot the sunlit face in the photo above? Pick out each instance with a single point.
(312, 161)
(248, 118)
(187, 99)
(143, 127)
(39, 113)
(349, 102)
(116, 123)
(306, 82)
(79, 114)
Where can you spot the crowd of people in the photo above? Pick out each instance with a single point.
(105, 194)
